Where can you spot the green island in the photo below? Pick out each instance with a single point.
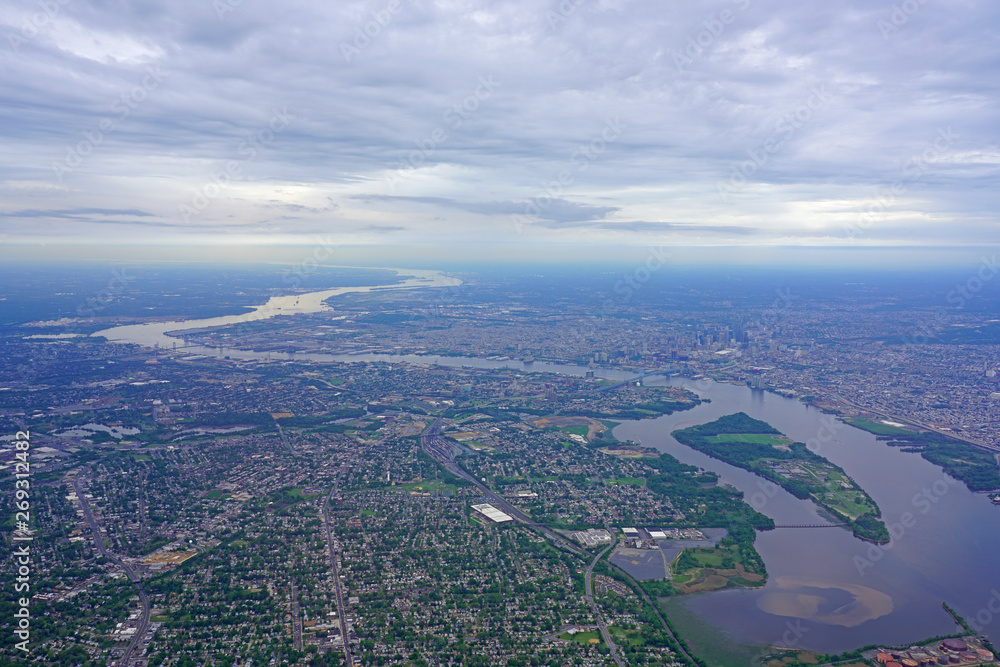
(753, 445)
(975, 467)
(631, 402)
(647, 410)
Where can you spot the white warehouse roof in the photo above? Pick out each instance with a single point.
(492, 513)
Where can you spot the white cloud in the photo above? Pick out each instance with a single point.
(357, 125)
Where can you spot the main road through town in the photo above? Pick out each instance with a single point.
(434, 444)
(588, 588)
(335, 571)
(143, 624)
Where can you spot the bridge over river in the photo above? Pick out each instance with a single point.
(666, 371)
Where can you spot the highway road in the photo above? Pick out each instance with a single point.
(588, 588)
(435, 446)
(334, 570)
(284, 440)
(143, 625)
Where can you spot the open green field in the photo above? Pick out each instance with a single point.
(708, 557)
(623, 637)
(715, 568)
(583, 637)
(755, 438)
(576, 430)
(740, 440)
(627, 481)
(878, 428)
(849, 505)
(299, 492)
(476, 445)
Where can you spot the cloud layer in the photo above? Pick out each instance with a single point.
(578, 121)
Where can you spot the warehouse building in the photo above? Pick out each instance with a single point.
(491, 514)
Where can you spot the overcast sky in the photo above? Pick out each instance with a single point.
(523, 122)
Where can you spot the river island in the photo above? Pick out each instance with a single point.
(754, 445)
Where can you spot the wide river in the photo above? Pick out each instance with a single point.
(827, 591)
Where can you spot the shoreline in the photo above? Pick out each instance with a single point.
(163, 333)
